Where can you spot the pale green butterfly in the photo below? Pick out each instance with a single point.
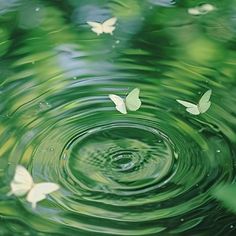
(107, 26)
(200, 10)
(23, 184)
(202, 106)
(131, 102)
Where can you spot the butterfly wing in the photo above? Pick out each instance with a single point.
(40, 191)
(205, 8)
(22, 182)
(119, 102)
(204, 103)
(108, 25)
(194, 11)
(132, 100)
(96, 27)
(190, 107)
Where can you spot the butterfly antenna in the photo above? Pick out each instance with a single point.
(127, 92)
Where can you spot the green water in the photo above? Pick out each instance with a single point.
(149, 172)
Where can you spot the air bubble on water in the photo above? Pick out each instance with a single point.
(117, 41)
(218, 150)
(231, 226)
(43, 106)
(182, 219)
(37, 9)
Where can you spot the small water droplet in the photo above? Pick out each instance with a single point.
(37, 9)
(51, 149)
(117, 41)
(218, 151)
(74, 77)
(113, 46)
(197, 185)
(182, 219)
(231, 226)
(43, 106)
(199, 92)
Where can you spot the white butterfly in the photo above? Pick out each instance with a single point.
(23, 184)
(201, 10)
(131, 102)
(202, 106)
(105, 27)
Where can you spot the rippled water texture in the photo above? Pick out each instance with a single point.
(149, 172)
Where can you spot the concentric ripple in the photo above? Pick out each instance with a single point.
(119, 157)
